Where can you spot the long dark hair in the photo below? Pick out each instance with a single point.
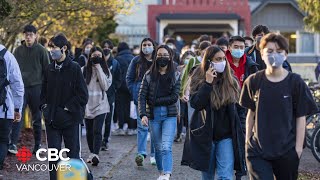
(103, 64)
(154, 69)
(223, 93)
(143, 66)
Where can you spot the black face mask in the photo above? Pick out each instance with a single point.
(162, 61)
(106, 51)
(96, 60)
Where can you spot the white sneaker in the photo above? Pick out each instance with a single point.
(166, 177)
(89, 160)
(135, 132)
(119, 132)
(153, 161)
(130, 132)
(160, 177)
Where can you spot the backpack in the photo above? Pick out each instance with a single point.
(3, 82)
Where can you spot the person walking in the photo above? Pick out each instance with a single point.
(63, 98)
(123, 97)
(278, 102)
(157, 101)
(137, 68)
(11, 94)
(33, 60)
(115, 70)
(98, 79)
(215, 129)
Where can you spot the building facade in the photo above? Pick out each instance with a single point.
(191, 18)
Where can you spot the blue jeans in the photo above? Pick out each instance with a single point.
(221, 160)
(142, 138)
(163, 129)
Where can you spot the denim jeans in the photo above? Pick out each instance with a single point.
(94, 133)
(5, 127)
(221, 161)
(142, 136)
(163, 129)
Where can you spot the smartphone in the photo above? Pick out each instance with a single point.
(212, 66)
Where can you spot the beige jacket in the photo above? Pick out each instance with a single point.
(98, 100)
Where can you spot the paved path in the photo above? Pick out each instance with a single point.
(118, 164)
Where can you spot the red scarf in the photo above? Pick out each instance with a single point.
(238, 71)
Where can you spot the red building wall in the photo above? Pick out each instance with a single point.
(240, 7)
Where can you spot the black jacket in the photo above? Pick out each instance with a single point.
(147, 96)
(64, 88)
(252, 53)
(198, 144)
(251, 68)
(124, 58)
(115, 69)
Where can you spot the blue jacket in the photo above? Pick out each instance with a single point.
(124, 58)
(134, 82)
(115, 70)
(15, 90)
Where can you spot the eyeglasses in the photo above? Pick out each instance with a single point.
(28, 34)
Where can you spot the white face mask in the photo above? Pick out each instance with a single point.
(219, 67)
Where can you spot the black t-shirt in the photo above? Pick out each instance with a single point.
(164, 86)
(276, 106)
(222, 124)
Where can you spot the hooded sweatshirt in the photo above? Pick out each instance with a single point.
(239, 72)
(98, 100)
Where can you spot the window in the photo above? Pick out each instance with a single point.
(291, 36)
(307, 42)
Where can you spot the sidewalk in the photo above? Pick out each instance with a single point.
(118, 164)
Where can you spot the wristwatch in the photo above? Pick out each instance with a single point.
(16, 110)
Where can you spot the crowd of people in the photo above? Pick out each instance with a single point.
(243, 108)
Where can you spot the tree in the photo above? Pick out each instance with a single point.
(312, 8)
(75, 18)
(104, 30)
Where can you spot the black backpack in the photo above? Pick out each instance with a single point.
(3, 82)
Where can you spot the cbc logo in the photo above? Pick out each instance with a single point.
(53, 154)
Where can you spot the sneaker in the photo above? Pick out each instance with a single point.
(36, 148)
(130, 132)
(89, 160)
(119, 132)
(114, 126)
(139, 160)
(135, 132)
(13, 149)
(153, 161)
(178, 139)
(95, 160)
(104, 146)
(166, 177)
